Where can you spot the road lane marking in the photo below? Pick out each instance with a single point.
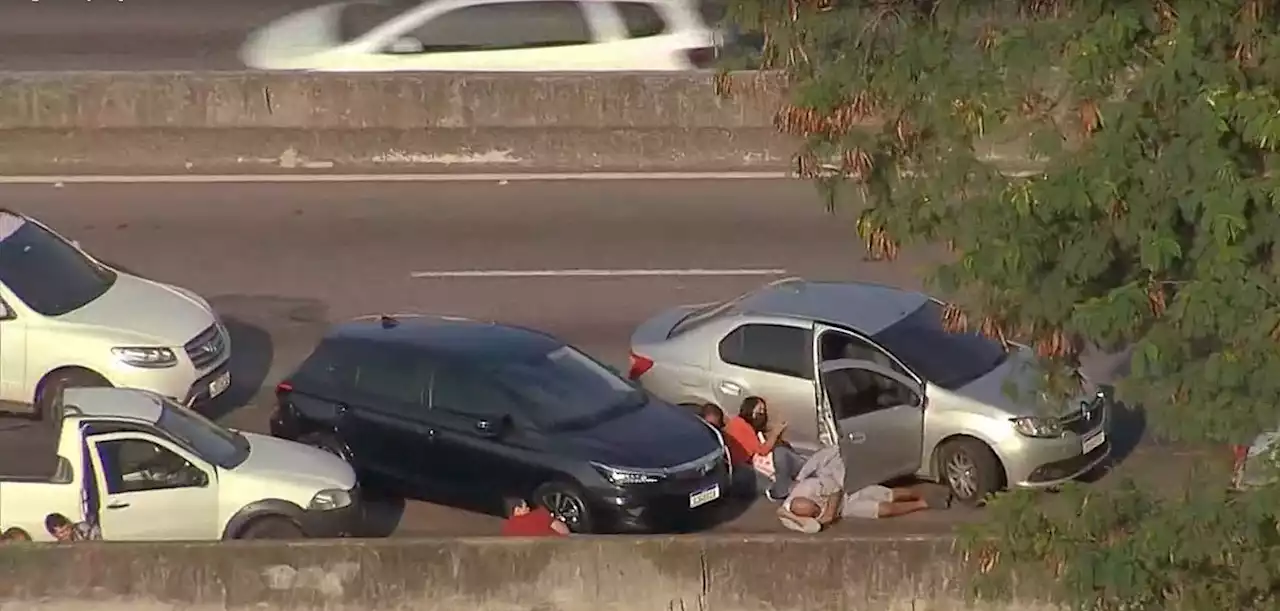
(593, 273)
(305, 178)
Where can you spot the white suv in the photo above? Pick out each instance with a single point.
(69, 320)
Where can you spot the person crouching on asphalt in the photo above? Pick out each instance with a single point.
(526, 521)
(818, 498)
(742, 435)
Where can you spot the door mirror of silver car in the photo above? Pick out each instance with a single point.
(406, 45)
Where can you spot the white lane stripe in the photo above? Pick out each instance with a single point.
(303, 178)
(593, 273)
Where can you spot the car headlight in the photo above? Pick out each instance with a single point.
(327, 500)
(149, 358)
(1035, 426)
(624, 476)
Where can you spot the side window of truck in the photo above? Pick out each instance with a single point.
(138, 465)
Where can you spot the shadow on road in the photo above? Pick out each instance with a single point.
(252, 352)
(380, 515)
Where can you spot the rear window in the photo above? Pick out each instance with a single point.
(641, 19)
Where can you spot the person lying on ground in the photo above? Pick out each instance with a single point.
(743, 438)
(526, 521)
(818, 499)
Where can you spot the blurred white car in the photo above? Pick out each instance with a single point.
(487, 36)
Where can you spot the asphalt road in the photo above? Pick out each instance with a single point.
(280, 262)
(131, 34)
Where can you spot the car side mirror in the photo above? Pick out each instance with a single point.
(406, 45)
(492, 427)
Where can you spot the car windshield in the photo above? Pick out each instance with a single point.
(209, 440)
(46, 273)
(567, 389)
(949, 360)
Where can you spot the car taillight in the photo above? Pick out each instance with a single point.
(701, 57)
(284, 388)
(1241, 456)
(639, 366)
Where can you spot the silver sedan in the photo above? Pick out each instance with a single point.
(871, 368)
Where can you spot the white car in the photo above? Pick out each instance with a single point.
(487, 36)
(135, 466)
(69, 320)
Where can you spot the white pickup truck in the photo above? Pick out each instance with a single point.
(138, 466)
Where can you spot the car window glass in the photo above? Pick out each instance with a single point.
(30, 256)
(641, 19)
(466, 392)
(838, 345)
(511, 25)
(137, 465)
(855, 392)
(388, 378)
(325, 370)
(566, 389)
(773, 348)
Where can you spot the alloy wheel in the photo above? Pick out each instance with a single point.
(962, 475)
(566, 507)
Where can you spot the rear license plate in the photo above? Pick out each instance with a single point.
(220, 384)
(1092, 443)
(702, 497)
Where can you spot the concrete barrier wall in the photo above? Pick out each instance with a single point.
(167, 122)
(721, 573)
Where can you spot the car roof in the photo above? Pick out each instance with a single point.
(129, 403)
(866, 307)
(446, 335)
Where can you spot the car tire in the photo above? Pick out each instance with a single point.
(54, 383)
(970, 469)
(272, 527)
(566, 501)
(328, 443)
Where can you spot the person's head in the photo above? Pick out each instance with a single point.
(59, 526)
(804, 508)
(754, 411)
(516, 507)
(713, 415)
(15, 534)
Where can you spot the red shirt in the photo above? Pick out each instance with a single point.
(742, 440)
(536, 523)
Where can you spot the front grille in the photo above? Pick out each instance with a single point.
(696, 469)
(207, 347)
(1086, 419)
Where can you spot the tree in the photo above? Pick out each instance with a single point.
(1102, 171)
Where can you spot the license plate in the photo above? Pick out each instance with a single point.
(220, 384)
(1092, 443)
(702, 497)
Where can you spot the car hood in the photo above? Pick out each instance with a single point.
(149, 313)
(658, 435)
(282, 460)
(287, 43)
(1012, 388)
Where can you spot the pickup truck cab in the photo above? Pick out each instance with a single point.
(141, 467)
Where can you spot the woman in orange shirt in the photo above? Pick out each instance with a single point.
(743, 438)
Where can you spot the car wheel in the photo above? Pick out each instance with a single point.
(564, 501)
(56, 382)
(273, 527)
(970, 469)
(328, 443)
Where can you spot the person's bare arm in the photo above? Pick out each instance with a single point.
(772, 437)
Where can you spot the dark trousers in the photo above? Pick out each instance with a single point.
(786, 466)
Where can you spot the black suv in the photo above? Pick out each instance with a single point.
(427, 407)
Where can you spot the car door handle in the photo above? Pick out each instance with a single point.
(117, 505)
(856, 437)
(730, 388)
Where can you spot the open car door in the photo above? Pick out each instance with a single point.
(879, 420)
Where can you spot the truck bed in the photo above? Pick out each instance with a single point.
(28, 448)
